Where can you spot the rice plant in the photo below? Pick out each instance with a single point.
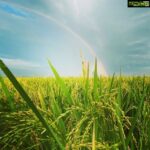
(82, 113)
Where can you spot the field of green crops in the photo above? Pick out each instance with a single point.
(82, 113)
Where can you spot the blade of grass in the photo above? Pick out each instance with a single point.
(95, 93)
(8, 95)
(41, 99)
(61, 83)
(87, 85)
(137, 113)
(93, 137)
(24, 95)
(65, 92)
(119, 97)
(118, 115)
(111, 83)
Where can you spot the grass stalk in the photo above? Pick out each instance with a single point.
(27, 99)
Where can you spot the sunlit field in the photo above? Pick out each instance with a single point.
(80, 113)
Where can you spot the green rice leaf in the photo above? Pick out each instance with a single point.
(8, 95)
(139, 110)
(95, 92)
(93, 137)
(61, 84)
(27, 99)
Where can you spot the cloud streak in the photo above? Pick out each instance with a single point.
(12, 10)
(20, 64)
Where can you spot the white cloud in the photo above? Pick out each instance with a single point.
(19, 63)
(140, 57)
(140, 41)
(59, 5)
(142, 16)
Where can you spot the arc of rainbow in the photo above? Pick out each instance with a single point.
(90, 49)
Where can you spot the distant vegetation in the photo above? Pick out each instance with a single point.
(80, 113)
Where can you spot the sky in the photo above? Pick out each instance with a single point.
(33, 31)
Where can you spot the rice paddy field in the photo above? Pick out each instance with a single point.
(74, 113)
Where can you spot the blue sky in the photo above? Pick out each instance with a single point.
(32, 31)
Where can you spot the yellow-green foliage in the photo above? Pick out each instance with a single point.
(95, 117)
